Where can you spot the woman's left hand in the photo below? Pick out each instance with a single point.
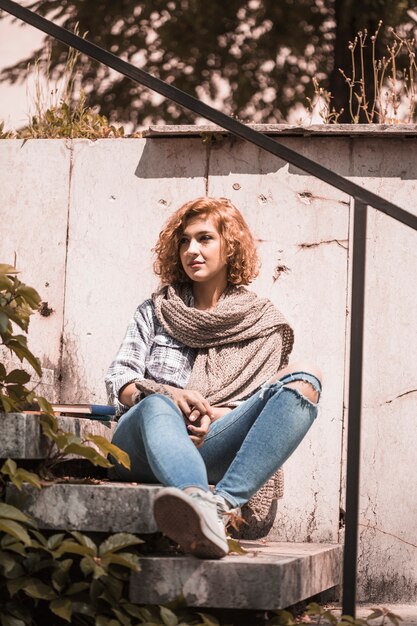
(199, 433)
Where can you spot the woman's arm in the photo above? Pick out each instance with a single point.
(191, 403)
(126, 393)
(129, 363)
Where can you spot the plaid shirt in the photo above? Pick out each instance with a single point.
(147, 351)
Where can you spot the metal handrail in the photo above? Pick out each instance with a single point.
(362, 198)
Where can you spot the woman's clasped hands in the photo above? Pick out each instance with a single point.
(197, 412)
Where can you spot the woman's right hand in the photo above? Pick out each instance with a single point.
(191, 403)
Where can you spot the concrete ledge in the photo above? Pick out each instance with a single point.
(330, 130)
(107, 507)
(271, 576)
(20, 434)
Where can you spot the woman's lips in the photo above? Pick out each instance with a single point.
(195, 264)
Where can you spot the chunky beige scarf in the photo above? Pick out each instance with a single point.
(240, 345)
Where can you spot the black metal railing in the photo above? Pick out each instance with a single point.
(361, 199)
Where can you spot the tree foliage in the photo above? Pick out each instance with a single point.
(254, 58)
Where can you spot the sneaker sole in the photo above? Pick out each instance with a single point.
(180, 521)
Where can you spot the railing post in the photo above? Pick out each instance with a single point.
(354, 409)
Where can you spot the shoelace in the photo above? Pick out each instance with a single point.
(200, 498)
(205, 501)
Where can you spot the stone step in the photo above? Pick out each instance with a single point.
(21, 437)
(106, 507)
(270, 576)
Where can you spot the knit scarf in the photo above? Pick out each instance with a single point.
(240, 345)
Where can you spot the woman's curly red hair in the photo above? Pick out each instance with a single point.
(243, 260)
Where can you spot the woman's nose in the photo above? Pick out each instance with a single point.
(193, 247)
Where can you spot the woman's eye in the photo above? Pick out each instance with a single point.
(206, 238)
(183, 240)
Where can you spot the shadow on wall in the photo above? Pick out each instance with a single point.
(225, 155)
(160, 159)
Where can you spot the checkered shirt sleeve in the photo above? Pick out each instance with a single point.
(147, 351)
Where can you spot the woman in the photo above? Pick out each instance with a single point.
(202, 379)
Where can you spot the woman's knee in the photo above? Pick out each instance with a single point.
(129, 426)
(307, 387)
(301, 366)
(152, 413)
(153, 404)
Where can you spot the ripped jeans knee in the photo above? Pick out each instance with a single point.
(314, 385)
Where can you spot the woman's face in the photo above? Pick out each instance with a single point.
(203, 252)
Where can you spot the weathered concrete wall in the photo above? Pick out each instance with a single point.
(82, 217)
(34, 189)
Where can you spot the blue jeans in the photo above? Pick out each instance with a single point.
(242, 450)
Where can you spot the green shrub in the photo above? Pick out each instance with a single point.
(17, 303)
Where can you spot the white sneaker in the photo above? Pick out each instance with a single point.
(191, 519)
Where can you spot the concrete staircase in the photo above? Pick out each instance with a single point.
(269, 576)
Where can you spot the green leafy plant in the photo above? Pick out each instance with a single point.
(60, 106)
(74, 578)
(62, 444)
(17, 303)
(18, 475)
(60, 109)
(68, 121)
(66, 575)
